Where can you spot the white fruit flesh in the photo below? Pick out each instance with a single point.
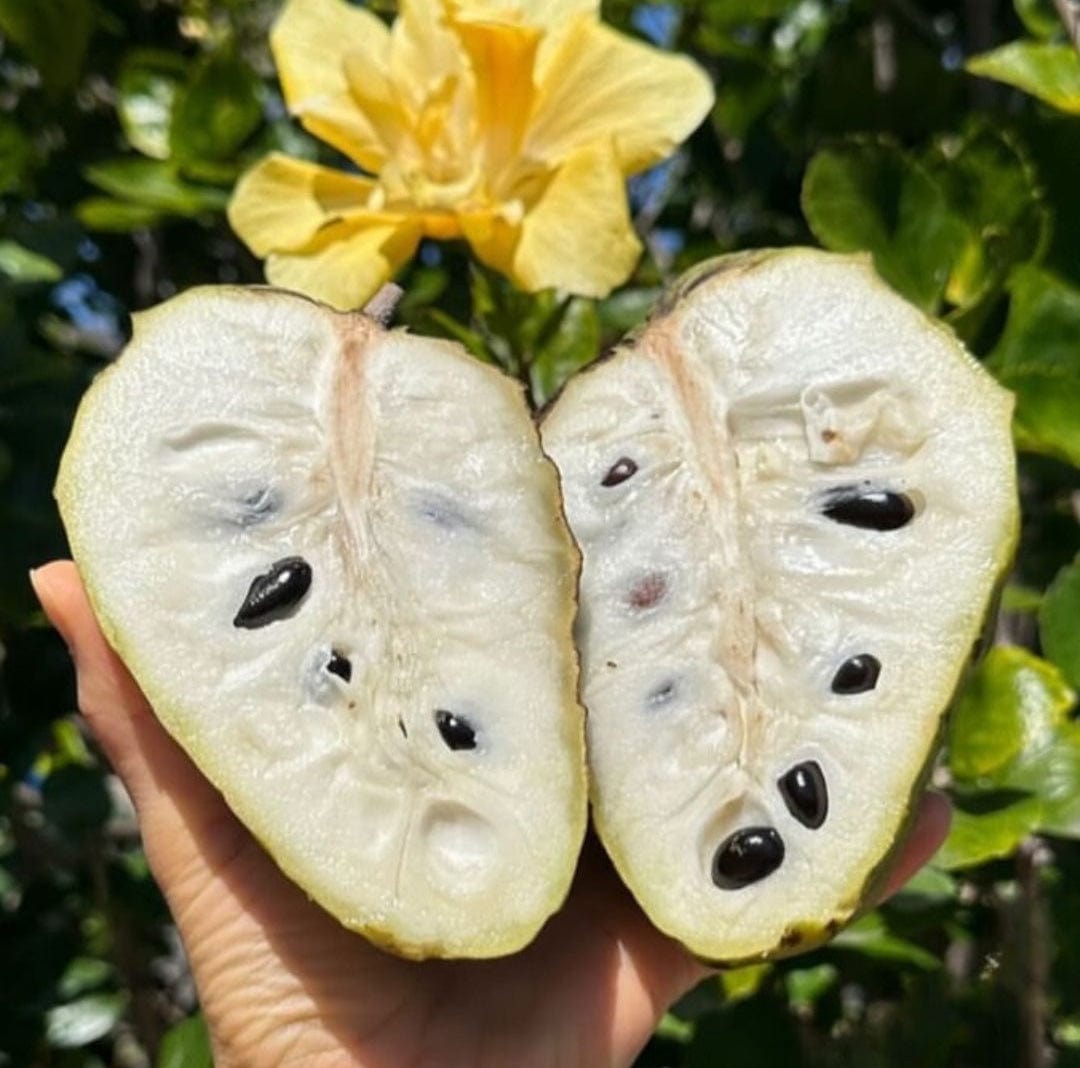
(244, 427)
(719, 601)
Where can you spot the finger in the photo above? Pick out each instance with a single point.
(928, 832)
(184, 821)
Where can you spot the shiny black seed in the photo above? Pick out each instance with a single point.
(857, 675)
(456, 730)
(805, 793)
(871, 509)
(339, 665)
(746, 857)
(619, 471)
(273, 595)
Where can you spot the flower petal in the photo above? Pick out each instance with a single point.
(600, 84)
(349, 261)
(502, 55)
(578, 236)
(281, 203)
(311, 41)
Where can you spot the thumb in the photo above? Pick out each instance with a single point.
(186, 825)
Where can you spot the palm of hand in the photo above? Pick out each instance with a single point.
(282, 983)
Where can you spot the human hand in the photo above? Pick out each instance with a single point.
(282, 983)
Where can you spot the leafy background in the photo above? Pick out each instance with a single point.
(942, 137)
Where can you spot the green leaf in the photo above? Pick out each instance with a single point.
(22, 265)
(156, 185)
(989, 184)
(148, 85)
(805, 986)
(1039, 17)
(116, 216)
(1050, 72)
(217, 110)
(53, 34)
(870, 196)
(871, 937)
(975, 838)
(1059, 622)
(1017, 598)
(1013, 705)
(744, 982)
(82, 975)
(186, 1045)
(16, 153)
(986, 728)
(1039, 360)
(574, 343)
(83, 1021)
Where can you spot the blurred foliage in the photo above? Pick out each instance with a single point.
(941, 138)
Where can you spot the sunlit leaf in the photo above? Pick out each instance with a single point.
(975, 838)
(805, 985)
(1059, 622)
(1039, 360)
(22, 265)
(154, 185)
(83, 1021)
(1039, 17)
(871, 196)
(116, 216)
(147, 88)
(1048, 71)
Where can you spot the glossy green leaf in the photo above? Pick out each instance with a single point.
(148, 85)
(1039, 360)
(82, 975)
(52, 33)
(986, 728)
(80, 1022)
(22, 265)
(1059, 622)
(217, 110)
(870, 196)
(975, 838)
(1048, 71)
(186, 1045)
(1013, 706)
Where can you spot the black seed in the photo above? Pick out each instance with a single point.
(339, 665)
(871, 509)
(805, 793)
(619, 471)
(401, 727)
(456, 730)
(857, 675)
(274, 595)
(746, 857)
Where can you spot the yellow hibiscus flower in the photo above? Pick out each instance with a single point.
(509, 123)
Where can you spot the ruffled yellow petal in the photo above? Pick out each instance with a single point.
(600, 84)
(282, 203)
(502, 55)
(348, 262)
(424, 53)
(311, 41)
(578, 236)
